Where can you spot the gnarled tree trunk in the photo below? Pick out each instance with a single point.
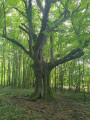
(42, 84)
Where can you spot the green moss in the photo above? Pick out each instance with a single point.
(49, 95)
(34, 98)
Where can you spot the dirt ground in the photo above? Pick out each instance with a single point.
(60, 108)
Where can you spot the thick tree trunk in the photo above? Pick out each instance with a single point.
(38, 85)
(47, 93)
(42, 84)
(37, 67)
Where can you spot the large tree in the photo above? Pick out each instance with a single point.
(50, 16)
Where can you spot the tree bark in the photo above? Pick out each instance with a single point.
(42, 84)
(37, 67)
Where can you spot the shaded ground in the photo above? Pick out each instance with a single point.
(15, 105)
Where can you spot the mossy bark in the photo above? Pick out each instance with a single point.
(42, 84)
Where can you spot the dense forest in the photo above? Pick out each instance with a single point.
(45, 57)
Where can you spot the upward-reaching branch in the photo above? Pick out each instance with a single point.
(25, 26)
(28, 9)
(29, 14)
(21, 12)
(40, 38)
(24, 30)
(40, 6)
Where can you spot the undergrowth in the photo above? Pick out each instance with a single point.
(64, 106)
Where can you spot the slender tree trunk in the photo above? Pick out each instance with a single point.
(23, 83)
(2, 75)
(4, 33)
(13, 83)
(61, 78)
(4, 72)
(9, 71)
(29, 76)
(19, 82)
(83, 75)
(79, 82)
(51, 50)
(15, 69)
(70, 77)
(13, 72)
(55, 80)
(4, 64)
(69, 80)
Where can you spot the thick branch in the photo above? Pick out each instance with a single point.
(28, 9)
(76, 53)
(17, 43)
(29, 15)
(40, 38)
(40, 5)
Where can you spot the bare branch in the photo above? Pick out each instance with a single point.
(20, 12)
(25, 26)
(24, 30)
(17, 43)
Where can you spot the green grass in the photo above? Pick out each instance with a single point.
(80, 105)
(8, 110)
(15, 105)
(79, 96)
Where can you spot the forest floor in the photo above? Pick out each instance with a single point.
(15, 105)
